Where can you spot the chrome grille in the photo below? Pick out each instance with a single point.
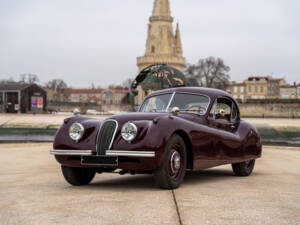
(106, 136)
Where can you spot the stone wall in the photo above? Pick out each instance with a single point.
(271, 108)
(83, 107)
(283, 108)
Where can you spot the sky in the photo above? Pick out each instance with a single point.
(97, 41)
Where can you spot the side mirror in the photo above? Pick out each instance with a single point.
(175, 110)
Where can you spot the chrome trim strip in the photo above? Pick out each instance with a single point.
(113, 137)
(146, 154)
(101, 123)
(71, 152)
(170, 101)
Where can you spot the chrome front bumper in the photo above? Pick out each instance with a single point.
(146, 154)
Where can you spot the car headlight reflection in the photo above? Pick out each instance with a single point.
(129, 131)
(76, 131)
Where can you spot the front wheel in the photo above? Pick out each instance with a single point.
(243, 168)
(78, 176)
(172, 169)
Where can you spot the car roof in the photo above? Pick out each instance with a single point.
(211, 92)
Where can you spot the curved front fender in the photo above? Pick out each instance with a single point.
(91, 126)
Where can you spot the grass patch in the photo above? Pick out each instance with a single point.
(27, 131)
(268, 133)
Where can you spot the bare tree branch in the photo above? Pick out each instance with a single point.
(209, 72)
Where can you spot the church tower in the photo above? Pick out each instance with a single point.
(162, 46)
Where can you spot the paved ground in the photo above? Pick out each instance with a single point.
(33, 191)
(29, 120)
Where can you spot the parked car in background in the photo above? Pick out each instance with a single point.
(92, 112)
(174, 130)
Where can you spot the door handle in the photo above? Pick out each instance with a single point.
(232, 126)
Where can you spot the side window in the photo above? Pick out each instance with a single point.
(224, 110)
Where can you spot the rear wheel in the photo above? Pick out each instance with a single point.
(172, 169)
(243, 168)
(78, 176)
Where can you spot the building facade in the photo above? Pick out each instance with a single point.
(256, 87)
(288, 92)
(112, 96)
(264, 87)
(162, 45)
(18, 97)
(238, 90)
(273, 87)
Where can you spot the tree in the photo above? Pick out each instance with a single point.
(56, 85)
(7, 81)
(127, 83)
(29, 78)
(209, 72)
(92, 86)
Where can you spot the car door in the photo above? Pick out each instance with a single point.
(225, 118)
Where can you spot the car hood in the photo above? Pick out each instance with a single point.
(137, 116)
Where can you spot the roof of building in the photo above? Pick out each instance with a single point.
(95, 91)
(14, 86)
(238, 84)
(276, 79)
(259, 77)
(287, 86)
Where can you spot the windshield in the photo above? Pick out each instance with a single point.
(157, 103)
(192, 103)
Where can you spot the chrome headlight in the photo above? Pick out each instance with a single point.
(129, 131)
(76, 131)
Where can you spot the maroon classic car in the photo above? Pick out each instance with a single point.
(174, 130)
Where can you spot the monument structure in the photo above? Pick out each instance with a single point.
(163, 46)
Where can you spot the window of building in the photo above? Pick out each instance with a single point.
(261, 89)
(241, 89)
(249, 89)
(152, 49)
(256, 89)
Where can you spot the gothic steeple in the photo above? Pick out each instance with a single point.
(162, 46)
(178, 42)
(161, 11)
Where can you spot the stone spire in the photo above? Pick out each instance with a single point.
(162, 46)
(161, 11)
(178, 42)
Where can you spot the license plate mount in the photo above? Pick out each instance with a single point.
(96, 160)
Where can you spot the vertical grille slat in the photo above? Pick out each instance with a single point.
(106, 135)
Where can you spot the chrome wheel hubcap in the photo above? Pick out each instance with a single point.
(175, 162)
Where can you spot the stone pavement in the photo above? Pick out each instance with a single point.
(55, 120)
(38, 120)
(33, 191)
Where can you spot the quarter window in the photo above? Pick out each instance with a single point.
(224, 109)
